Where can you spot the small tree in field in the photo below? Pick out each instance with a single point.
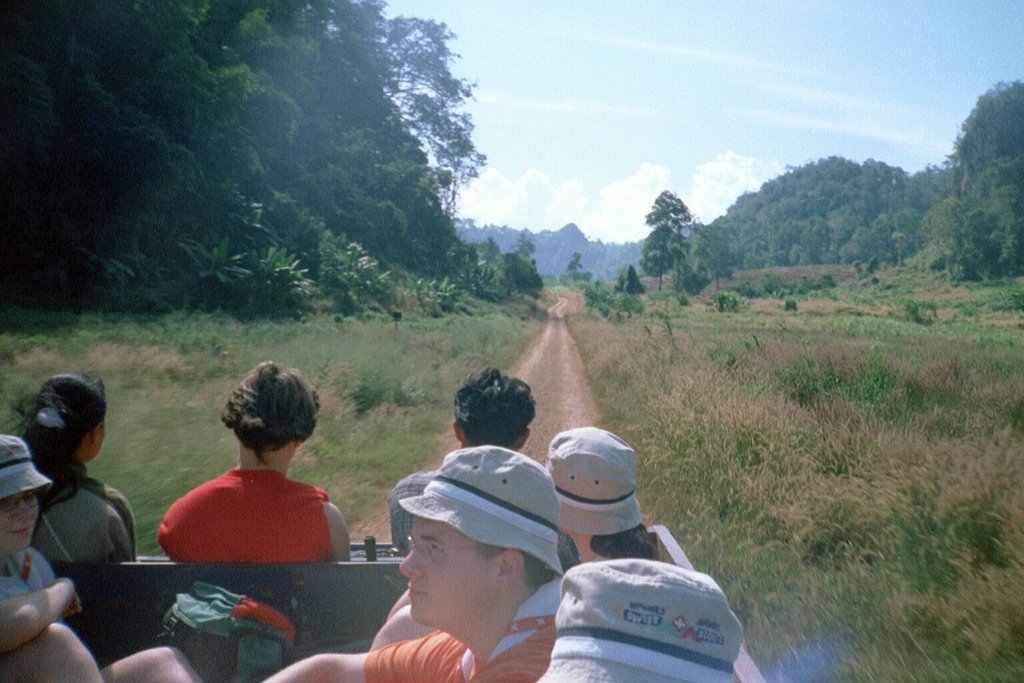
(629, 282)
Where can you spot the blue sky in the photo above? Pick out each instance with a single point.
(587, 110)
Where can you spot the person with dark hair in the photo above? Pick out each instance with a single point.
(254, 513)
(491, 409)
(483, 572)
(34, 644)
(82, 519)
(595, 477)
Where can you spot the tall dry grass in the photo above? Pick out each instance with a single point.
(859, 496)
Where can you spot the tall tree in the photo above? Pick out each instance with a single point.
(666, 244)
(429, 99)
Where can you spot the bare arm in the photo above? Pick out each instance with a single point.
(324, 669)
(339, 533)
(26, 616)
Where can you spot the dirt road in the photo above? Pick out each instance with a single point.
(552, 368)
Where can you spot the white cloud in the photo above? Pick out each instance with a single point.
(534, 201)
(617, 214)
(624, 204)
(717, 183)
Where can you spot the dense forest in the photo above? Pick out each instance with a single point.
(273, 155)
(230, 154)
(966, 217)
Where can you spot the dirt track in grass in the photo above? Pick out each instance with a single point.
(552, 368)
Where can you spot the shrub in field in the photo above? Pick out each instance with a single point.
(920, 312)
(773, 285)
(596, 298)
(746, 289)
(725, 302)
(789, 305)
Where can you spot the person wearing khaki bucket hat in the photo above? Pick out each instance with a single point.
(34, 644)
(622, 621)
(595, 477)
(483, 570)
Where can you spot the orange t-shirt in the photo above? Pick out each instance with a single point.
(437, 658)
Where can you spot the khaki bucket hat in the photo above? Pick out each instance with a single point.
(494, 496)
(623, 621)
(595, 477)
(17, 472)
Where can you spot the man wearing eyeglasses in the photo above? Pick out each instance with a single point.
(483, 570)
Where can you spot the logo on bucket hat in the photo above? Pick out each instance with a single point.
(595, 477)
(494, 496)
(17, 473)
(629, 620)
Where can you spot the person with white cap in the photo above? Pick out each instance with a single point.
(595, 477)
(34, 645)
(483, 570)
(628, 620)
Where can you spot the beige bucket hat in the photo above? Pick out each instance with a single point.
(17, 472)
(595, 477)
(495, 496)
(623, 621)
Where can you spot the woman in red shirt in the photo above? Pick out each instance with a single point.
(254, 513)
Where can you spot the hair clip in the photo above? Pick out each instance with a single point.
(48, 417)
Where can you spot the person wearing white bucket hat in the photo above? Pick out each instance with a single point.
(622, 621)
(595, 477)
(483, 570)
(34, 645)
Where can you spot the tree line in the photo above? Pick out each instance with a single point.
(965, 217)
(247, 154)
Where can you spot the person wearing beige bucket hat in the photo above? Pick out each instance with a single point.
(622, 621)
(595, 477)
(34, 644)
(483, 570)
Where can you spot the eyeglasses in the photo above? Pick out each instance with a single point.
(11, 503)
(432, 551)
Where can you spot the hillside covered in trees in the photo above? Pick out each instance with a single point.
(227, 154)
(966, 217)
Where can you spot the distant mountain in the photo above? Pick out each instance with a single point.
(554, 248)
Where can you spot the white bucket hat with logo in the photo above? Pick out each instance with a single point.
(595, 476)
(17, 472)
(494, 496)
(623, 621)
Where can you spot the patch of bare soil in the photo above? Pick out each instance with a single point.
(554, 371)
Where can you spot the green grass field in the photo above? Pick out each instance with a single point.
(385, 392)
(850, 472)
(853, 478)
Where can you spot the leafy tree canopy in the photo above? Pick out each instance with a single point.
(149, 145)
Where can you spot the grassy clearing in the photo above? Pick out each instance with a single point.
(383, 389)
(852, 480)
